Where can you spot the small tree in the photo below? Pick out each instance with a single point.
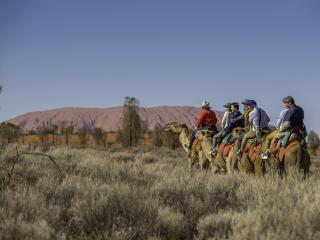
(43, 133)
(157, 136)
(66, 130)
(83, 135)
(9, 132)
(131, 123)
(313, 141)
(98, 136)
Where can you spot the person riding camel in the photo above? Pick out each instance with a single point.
(258, 120)
(293, 119)
(245, 118)
(235, 113)
(207, 120)
(226, 116)
(274, 133)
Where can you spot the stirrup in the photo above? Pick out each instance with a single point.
(213, 152)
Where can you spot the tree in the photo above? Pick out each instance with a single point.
(313, 141)
(131, 123)
(9, 132)
(157, 136)
(83, 135)
(54, 131)
(43, 132)
(98, 136)
(65, 129)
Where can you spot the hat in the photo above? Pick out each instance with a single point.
(234, 104)
(205, 104)
(249, 102)
(227, 105)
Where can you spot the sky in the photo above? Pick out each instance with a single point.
(93, 53)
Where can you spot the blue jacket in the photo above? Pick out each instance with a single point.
(239, 123)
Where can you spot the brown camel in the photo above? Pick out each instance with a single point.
(221, 163)
(251, 160)
(197, 154)
(293, 157)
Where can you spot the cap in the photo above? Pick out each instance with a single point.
(249, 102)
(227, 105)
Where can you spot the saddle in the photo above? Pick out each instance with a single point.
(294, 140)
(253, 149)
(224, 148)
(283, 151)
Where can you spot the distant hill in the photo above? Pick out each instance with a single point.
(108, 119)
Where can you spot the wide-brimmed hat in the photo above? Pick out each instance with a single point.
(205, 104)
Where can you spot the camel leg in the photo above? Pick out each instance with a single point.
(201, 161)
(214, 165)
(258, 167)
(230, 161)
(245, 164)
(190, 163)
(306, 161)
(292, 160)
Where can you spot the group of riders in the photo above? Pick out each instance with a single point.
(255, 122)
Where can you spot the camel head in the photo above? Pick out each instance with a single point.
(203, 134)
(175, 127)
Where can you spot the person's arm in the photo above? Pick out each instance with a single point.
(284, 126)
(268, 118)
(224, 119)
(200, 119)
(286, 120)
(237, 118)
(215, 118)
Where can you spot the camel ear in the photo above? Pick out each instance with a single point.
(183, 125)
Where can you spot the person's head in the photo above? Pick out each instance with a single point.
(288, 101)
(205, 105)
(234, 107)
(250, 104)
(227, 107)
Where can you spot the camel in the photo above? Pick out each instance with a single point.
(294, 157)
(220, 164)
(251, 160)
(197, 154)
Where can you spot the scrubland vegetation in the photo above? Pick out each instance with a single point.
(118, 193)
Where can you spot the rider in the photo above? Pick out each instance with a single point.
(235, 113)
(206, 120)
(293, 118)
(226, 116)
(275, 133)
(258, 120)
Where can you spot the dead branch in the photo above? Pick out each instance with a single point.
(51, 158)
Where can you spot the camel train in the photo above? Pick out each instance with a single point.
(227, 161)
(257, 154)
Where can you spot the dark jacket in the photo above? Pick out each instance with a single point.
(238, 123)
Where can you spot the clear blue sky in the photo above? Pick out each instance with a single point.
(93, 53)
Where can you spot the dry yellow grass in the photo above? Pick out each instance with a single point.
(149, 194)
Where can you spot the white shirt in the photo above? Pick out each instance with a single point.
(225, 119)
(257, 119)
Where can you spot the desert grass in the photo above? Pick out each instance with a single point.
(136, 193)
